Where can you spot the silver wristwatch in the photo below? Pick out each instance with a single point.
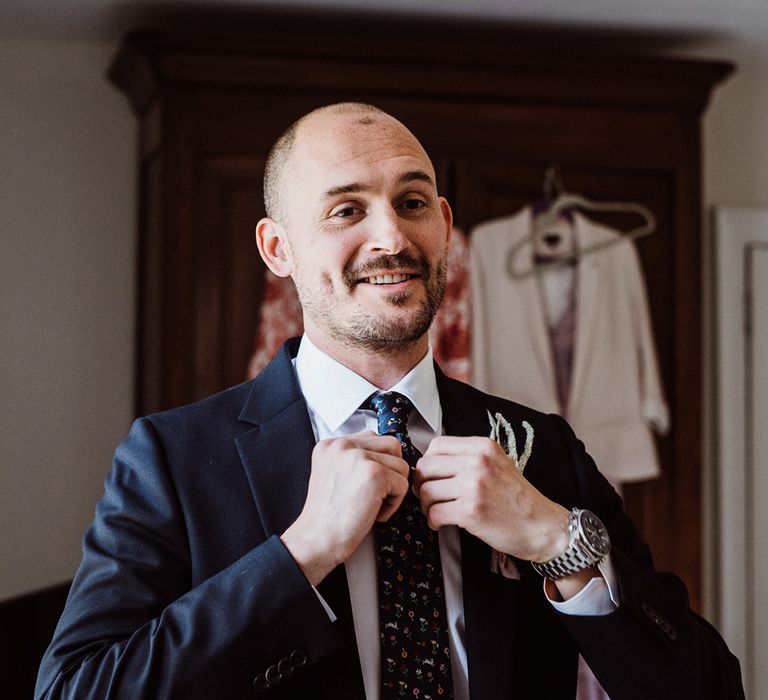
(588, 545)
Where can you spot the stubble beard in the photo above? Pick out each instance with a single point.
(377, 334)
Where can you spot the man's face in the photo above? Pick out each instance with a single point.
(366, 231)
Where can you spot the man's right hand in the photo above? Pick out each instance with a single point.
(356, 480)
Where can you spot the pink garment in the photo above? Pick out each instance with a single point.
(281, 317)
(280, 320)
(449, 333)
(561, 324)
(588, 687)
(563, 336)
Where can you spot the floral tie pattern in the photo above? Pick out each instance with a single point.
(415, 656)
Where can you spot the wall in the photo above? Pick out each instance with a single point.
(67, 201)
(736, 140)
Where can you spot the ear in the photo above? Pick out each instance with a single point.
(273, 247)
(445, 210)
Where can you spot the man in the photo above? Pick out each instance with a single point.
(251, 542)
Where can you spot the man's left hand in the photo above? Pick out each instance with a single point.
(470, 482)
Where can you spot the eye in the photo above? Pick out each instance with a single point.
(344, 212)
(413, 204)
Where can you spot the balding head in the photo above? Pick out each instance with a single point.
(281, 152)
(356, 221)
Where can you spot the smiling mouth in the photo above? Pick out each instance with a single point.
(387, 279)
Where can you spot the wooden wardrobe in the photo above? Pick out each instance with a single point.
(492, 116)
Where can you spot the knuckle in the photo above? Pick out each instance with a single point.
(471, 506)
(488, 446)
(332, 446)
(475, 487)
(491, 456)
(474, 499)
(484, 461)
(391, 443)
(321, 447)
(370, 470)
(437, 442)
(473, 509)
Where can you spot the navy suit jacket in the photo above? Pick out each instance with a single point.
(186, 591)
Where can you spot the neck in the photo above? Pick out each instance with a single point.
(383, 368)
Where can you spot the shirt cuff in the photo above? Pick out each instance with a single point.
(598, 597)
(326, 607)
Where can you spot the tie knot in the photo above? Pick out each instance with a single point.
(392, 410)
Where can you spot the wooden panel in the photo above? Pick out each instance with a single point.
(386, 57)
(229, 280)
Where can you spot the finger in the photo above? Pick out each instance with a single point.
(398, 488)
(454, 444)
(443, 513)
(431, 467)
(389, 444)
(368, 440)
(394, 463)
(439, 491)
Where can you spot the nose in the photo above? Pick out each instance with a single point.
(387, 232)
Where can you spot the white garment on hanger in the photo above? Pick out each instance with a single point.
(615, 395)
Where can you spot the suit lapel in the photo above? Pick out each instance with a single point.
(277, 454)
(490, 600)
(276, 457)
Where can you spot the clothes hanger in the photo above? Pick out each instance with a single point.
(549, 213)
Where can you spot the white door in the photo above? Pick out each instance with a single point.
(741, 409)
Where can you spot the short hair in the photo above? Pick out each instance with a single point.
(281, 151)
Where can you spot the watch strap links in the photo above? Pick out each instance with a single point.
(575, 558)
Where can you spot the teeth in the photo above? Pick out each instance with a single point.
(387, 279)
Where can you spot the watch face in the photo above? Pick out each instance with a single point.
(595, 533)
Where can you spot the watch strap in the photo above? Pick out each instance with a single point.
(575, 558)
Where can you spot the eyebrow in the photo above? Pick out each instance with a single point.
(356, 187)
(415, 175)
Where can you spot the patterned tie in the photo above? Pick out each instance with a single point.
(415, 657)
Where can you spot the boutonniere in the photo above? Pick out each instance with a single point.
(504, 435)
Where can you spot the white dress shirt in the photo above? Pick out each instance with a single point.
(334, 394)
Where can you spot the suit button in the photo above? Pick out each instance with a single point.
(273, 676)
(284, 666)
(260, 682)
(298, 658)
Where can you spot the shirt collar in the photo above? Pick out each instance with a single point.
(335, 392)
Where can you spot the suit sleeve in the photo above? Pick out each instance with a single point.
(135, 627)
(653, 645)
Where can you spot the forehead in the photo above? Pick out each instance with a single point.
(339, 149)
